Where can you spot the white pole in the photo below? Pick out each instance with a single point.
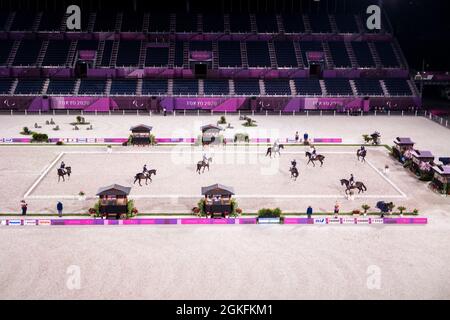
(375, 113)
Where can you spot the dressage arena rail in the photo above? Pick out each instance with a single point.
(224, 221)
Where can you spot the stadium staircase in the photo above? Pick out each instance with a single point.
(99, 56)
(171, 60)
(244, 55)
(351, 54)
(354, 88)
(226, 23)
(185, 54)
(201, 87)
(91, 23)
(280, 24)
(293, 88)
(12, 54)
(42, 52)
(142, 54)
(14, 86)
(108, 86)
(45, 86)
(76, 87)
(231, 85)
(9, 21)
(199, 23)
(328, 57)
(170, 87)
(375, 56)
(360, 24)
(272, 55)
(307, 24)
(384, 87)
(262, 87)
(70, 61)
(173, 23)
(118, 25)
(115, 50)
(63, 26)
(334, 27)
(413, 88)
(146, 22)
(215, 53)
(139, 87)
(323, 87)
(253, 26)
(298, 55)
(399, 54)
(36, 22)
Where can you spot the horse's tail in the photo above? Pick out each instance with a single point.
(364, 186)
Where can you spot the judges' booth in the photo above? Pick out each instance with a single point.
(113, 201)
(441, 178)
(140, 135)
(218, 200)
(402, 146)
(422, 163)
(210, 134)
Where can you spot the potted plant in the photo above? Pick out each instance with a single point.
(401, 209)
(238, 211)
(270, 216)
(81, 196)
(365, 207)
(222, 120)
(415, 212)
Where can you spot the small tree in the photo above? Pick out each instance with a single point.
(222, 120)
(401, 209)
(78, 118)
(365, 207)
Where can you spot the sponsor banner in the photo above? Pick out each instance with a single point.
(29, 222)
(44, 222)
(376, 220)
(348, 220)
(419, 220)
(207, 221)
(201, 55)
(268, 220)
(327, 140)
(247, 220)
(320, 220)
(334, 221)
(298, 221)
(3, 222)
(14, 222)
(315, 56)
(362, 220)
(57, 222)
(86, 54)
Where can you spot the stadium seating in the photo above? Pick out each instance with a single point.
(293, 23)
(266, 23)
(186, 23)
(309, 46)
(123, 86)
(107, 51)
(29, 86)
(185, 87)
(157, 56)
(279, 87)
(339, 54)
(61, 86)
(386, 53)
(240, 23)
(5, 49)
(338, 87)
(56, 54)
(154, 86)
(398, 87)
(3, 17)
(285, 53)
(368, 87)
(51, 21)
(159, 23)
(5, 85)
(216, 87)
(363, 55)
(346, 23)
(87, 45)
(247, 87)
(200, 46)
(92, 86)
(27, 53)
(105, 21)
(320, 23)
(132, 22)
(306, 86)
(179, 54)
(258, 54)
(213, 23)
(128, 54)
(23, 21)
(229, 54)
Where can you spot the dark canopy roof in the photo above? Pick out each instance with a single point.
(422, 154)
(141, 128)
(217, 189)
(442, 170)
(399, 140)
(114, 190)
(210, 127)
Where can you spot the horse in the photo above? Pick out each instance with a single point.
(361, 154)
(375, 138)
(294, 173)
(357, 185)
(203, 164)
(275, 150)
(63, 172)
(144, 175)
(318, 157)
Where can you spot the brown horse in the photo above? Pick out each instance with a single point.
(361, 154)
(144, 175)
(204, 165)
(318, 157)
(62, 172)
(357, 185)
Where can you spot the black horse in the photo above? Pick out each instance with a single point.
(294, 173)
(275, 151)
(318, 157)
(357, 185)
(144, 175)
(361, 154)
(204, 165)
(62, 172)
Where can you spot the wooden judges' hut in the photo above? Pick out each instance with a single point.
(140, 135)
(401, 146)
(210, 134)
(422, 162)
(218, 200)
(441, 178)
(113, 201)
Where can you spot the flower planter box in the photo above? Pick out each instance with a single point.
(269, 220)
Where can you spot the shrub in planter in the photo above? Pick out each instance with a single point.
(26, 131)
(365, 207)
(201, 206)
(401, 209)
(391, 206)
(241, 137)
(269, 213)
(132, 211)
(59, 143)
(234, 206)
(56, 128)
(196, 210)
(415, 212)
(222, 120)
(39, 137)
(238, 211)
(152, 139)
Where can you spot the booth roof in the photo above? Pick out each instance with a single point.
(422, 154)
(210, 126)
(444, 170)
(141, 127)
(114, 190)
(400, 140)
(217, 189)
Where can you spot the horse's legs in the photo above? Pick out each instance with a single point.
(321, 162)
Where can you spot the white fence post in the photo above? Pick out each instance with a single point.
(334, 113)
(26, 112)
(320, 112)
(11, 112)
(123, 112)
(375, 113)
(266, 113)
(348, 113)
(402, 113)
(253, 112)
(95, 111)
(307, 113)
(198, 113)
(53, 111)
(39, 111)
(293, 112)
(389, 112)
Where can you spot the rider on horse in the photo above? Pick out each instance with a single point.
(63, 166)
(294, 163)
(351, 180)
(144, 169)
(313, 152)
(205, 158)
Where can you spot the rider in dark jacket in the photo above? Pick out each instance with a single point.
(352, 179)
